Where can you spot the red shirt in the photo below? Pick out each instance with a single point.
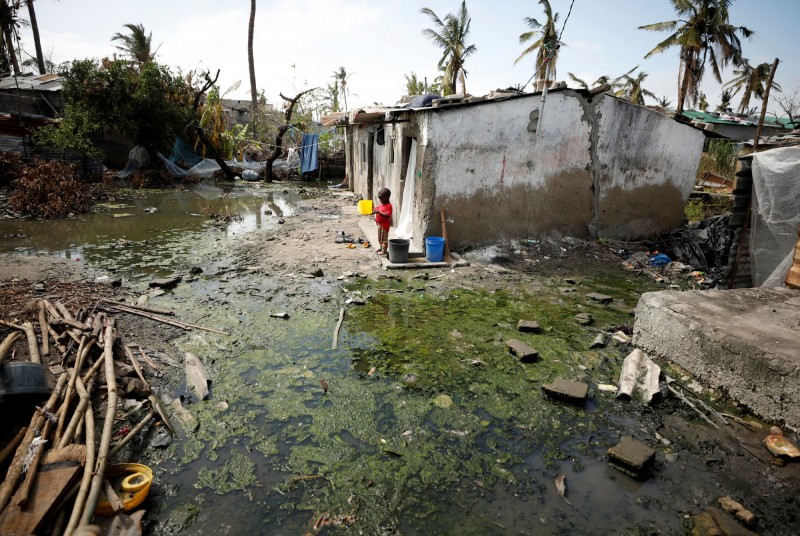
(383, 215)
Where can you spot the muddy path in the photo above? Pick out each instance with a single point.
(426, 423)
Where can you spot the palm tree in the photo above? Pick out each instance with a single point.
(333, 96)
(725, 100)
(632, 88)
(701, 101)
(450, 34)
(545, 44)
(252, 64)
(340, 79)
(581, 83)
(752, 81)
(9, 24)
(36, 41)
(664, 102)
(703, 33)
(137, 45)
(414, 86)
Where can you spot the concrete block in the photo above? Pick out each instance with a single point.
(574, 392)
(631, 456)
(602, 298)
(728, 524)
(529, 326)
(742, 341)
(584, 319)
(525, 353)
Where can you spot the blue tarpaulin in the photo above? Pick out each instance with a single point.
(309, 153)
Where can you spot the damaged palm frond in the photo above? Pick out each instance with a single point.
(51, 189)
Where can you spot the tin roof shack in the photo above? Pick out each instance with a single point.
(599, 166)
(734, 127)
(29, 101)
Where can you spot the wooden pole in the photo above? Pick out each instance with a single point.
(43, 329)
(447, 257)
(8, 344)
(108, 426)
(135, 430)
(12, 446)
(338, 327)
(69, 433)
(88, 468)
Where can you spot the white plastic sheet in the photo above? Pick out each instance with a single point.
(405, 226)
(775, 215)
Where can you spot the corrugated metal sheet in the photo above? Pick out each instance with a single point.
(48, 82)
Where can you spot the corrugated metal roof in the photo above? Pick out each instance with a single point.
(724, 119)
(47, 82)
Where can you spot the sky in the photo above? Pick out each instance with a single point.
(298, 44)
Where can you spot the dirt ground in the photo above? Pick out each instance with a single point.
(307, 243)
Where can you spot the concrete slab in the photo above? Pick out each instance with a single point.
(525, 353)
(745, 342)
(568, 390)
(416, 258)
(631, 456)
(529, 326)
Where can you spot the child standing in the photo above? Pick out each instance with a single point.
(383, 218)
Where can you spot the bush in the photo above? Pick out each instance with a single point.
(51, 189)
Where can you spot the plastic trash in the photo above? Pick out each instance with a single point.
(250, 175)
(660, 260)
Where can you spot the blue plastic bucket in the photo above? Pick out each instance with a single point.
(434, 248)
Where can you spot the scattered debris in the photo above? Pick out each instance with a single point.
(599, 341)
(631, 457)
(567, 390)
(525, 353)
(779, 446)
(324, 385)
(166, 283)
(197, 377)
(638, 371)
(561, 486)
(601, 298)
(621, 337)
(584, 319)
(285, 316)
(734, 507)
(529, 326)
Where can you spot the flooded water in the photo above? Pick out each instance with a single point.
(428, 426)
(142, 234)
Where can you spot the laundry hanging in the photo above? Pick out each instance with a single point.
(309, 153)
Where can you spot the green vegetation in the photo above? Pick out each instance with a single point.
(423, 396)
(148, 104)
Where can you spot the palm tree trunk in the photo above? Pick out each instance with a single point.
(684, 87)
(12, 54)
(36, 41)
(251, 59)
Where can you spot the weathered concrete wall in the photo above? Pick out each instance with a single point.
(645, 169)
(497, 180)
(598, 167)
(743, 341)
